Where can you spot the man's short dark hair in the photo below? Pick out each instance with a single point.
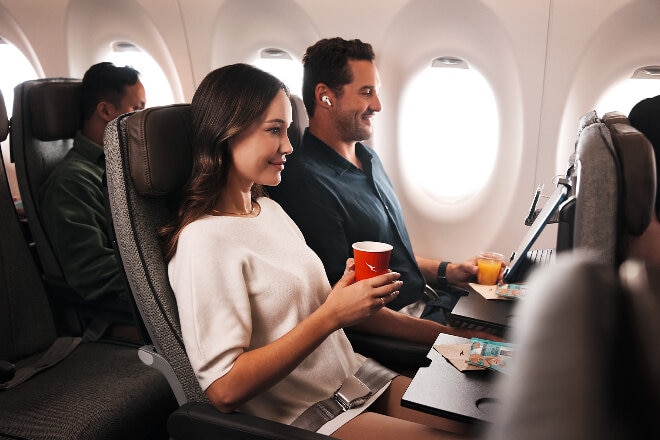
(105, 82)
(327, 62)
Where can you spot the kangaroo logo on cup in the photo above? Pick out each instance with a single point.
(372, 258)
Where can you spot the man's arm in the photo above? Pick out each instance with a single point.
(74, 218)
(387, 322)
(458, 274)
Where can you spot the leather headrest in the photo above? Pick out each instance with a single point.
(615, 117)
(4, 121)
(300, 121)
(160, 149)
(639, 176)
(55, 109)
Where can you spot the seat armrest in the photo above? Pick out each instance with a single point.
(149, 356)
(201, 421)
(7, 371)
(392, 353)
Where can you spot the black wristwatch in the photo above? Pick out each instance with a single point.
(442, 273)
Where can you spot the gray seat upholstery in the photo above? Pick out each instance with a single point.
(45, 120)
(99, 390)
(615, 164)
(148, 159)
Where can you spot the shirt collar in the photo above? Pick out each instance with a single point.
(315, 147)
(88, 149)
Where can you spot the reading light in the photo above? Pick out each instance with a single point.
(450, 62)
(647, 72)
(123, 46)
(274, 53)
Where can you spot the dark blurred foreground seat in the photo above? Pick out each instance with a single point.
(96, 391)
(45, 120)
(586, 363)
(148, 160)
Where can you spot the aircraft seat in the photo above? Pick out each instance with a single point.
(299, 123)
(606, 383)
(148, 159)
(45, 120)
(93, 390)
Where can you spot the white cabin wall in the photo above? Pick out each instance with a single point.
(620, 36)
(548, 61)
(506, 40)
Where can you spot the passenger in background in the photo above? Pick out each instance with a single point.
(337, 191)
(261, 324)
(71, 200)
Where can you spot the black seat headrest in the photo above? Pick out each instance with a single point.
(55, 109)
(4, 121)
(160, 149)
(638, 168)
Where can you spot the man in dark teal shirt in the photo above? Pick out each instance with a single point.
(71, 200)
(336, 190)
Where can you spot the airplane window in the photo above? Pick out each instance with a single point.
(156, 86)
(280, 64)
(21, 70)
(449, 132)
(624, 94)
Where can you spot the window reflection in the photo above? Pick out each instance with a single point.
(449, 132)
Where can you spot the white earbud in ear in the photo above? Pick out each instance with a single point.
(326, 100)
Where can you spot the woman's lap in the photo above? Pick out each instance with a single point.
(387, 419)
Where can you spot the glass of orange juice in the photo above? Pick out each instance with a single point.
(490, 264)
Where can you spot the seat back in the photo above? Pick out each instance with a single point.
(148, 159)
(22, 296)
(299, 123)
(44, 122)
(614, 196)
(605, 384)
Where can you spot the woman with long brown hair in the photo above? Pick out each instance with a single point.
(261, 324)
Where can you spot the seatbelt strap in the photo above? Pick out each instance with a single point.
(59, 350)
(353, 392)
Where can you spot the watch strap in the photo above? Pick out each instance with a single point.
(442, 273)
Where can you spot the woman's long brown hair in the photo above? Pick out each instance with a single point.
(227, 101)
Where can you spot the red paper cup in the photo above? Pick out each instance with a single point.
(371, 258)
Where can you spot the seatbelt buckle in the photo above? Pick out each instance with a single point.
(352, 393)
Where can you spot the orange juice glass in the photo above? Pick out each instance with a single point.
(490, 264)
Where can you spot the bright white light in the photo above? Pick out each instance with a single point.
(156, 86)
(449, 133)
(290, 72)
(623, 95)
(16, 69)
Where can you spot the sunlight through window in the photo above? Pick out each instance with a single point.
(280, 64)
(624, 94)
(156, 86)
(449, 133)
(21, 70)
